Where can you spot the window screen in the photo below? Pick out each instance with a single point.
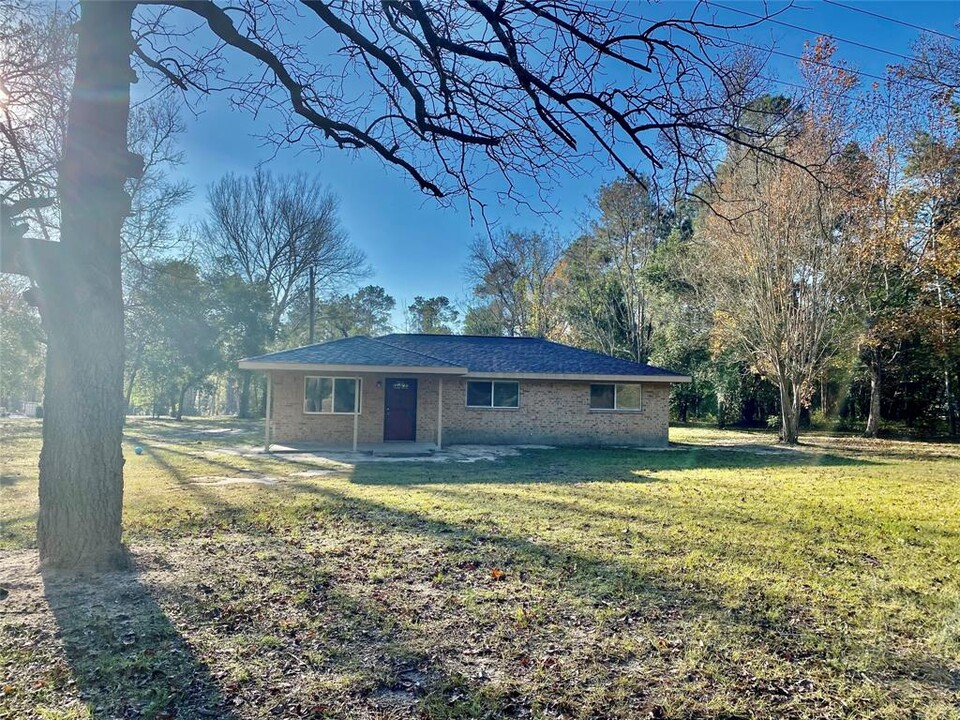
(345, 395)
(506, 394)
(628, 397)
(615, 397)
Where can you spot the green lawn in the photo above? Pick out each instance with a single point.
(724, 578)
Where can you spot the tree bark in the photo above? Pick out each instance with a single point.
(128, 393)
(243, 405)
(951, 401)
(873, 418)
(81, 304)
(789, 413)
(180, 400)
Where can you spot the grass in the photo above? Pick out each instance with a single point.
(724, 578)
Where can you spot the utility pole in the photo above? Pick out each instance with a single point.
(313, 306)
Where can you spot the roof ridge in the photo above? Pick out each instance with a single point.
(606, 355)
(548, 341)
(309, 345)
(465, 335)
(415, 352)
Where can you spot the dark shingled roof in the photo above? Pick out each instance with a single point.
(353, 351)
(478, 354)
(483, 354)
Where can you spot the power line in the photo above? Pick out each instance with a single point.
(821, 63)
(784, 23)
(813, 61)
(853, 8)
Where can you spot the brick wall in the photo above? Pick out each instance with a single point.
(290, 424)
(550, 412)
(555, 413)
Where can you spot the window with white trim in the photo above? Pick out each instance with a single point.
(616, 396)
(331, 396)
(493, 394)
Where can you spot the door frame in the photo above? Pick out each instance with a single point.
(386, 390)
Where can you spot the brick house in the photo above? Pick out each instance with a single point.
(453, 389)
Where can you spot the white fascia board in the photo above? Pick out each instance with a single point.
(378, 369)
(582, 377)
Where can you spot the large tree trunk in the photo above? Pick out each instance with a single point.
(81, 464)
(873, 418)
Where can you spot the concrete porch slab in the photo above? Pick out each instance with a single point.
(398, 449)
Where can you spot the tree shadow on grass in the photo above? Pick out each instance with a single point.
(795, 637)
(127, 658)
(180, 477)
(10, 480)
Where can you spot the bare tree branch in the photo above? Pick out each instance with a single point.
(469, 94)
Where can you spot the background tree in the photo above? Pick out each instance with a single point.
(513, 274)
(681, 342)
(432, 316)
(271, 231)
(884, 277)
(21, 347)
(775, 254)
(184, 341)
(484, 317)
(934, 197)
(244, 314)
(150, 232)
(606, 300)
(364, 312)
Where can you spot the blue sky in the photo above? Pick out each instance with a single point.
(416, 246)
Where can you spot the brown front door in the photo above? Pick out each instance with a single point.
(400, 410)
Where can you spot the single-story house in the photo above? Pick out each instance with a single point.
(458, 389)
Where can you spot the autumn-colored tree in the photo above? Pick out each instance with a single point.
(884, 270)
(775, 246)
(932, 200)
(934, 203)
